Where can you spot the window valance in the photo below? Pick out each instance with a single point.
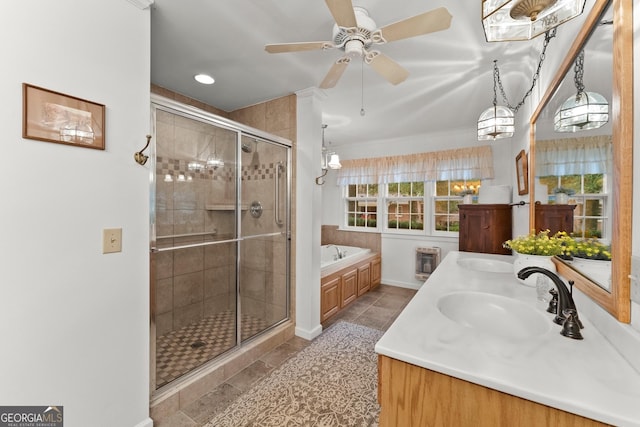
(574, 156)
(460, 163)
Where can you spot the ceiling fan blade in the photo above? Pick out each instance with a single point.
(386, 67)
(335, 73)
(342, 11)
(297, 47)
(428, 22)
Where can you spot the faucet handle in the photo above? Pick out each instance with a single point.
(572, 325)
(553, 304)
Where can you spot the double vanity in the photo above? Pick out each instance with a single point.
(476, 347)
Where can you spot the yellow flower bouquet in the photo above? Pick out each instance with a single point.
(541, 243)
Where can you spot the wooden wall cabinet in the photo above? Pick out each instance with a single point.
(339, 289)
(554, 218)
(484, 228)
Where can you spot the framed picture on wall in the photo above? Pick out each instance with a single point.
(522, 173)
(64, 119)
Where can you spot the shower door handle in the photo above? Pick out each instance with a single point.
(279, 167)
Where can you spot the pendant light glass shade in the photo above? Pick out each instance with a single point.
(507, 20)
(334, 161)
(496, 122)
(586, 110)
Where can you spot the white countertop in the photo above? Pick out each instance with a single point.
(586, 377)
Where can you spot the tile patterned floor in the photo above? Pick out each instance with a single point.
(376, 309)
(184, 349)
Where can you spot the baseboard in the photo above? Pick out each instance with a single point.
(148, 422)
(308, 334)
(401, 284)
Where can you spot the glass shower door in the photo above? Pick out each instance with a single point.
(195, 245)
(264, 225)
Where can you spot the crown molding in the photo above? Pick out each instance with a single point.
(141, 4)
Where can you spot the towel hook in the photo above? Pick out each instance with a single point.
(139, 157)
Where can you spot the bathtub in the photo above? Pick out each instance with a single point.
(328, 253)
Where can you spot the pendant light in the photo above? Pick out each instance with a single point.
(525, 19)
(497, 121)
(585, 110)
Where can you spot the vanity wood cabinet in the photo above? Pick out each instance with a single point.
(484, 228)
(412, 396)
(554, 218)
(376, 272)
(339, 289)
(364, 278)
(349, 290)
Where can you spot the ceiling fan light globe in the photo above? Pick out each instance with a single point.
(354, 48)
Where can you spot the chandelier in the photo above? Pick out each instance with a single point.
(510, 20)
(585, 110)
(498, 121)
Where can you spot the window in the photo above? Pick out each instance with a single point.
(402, 207)
(445, 201)
(405, 206)
(590, 199)
(362, 206)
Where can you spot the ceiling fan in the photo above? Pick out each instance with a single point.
(355, 32)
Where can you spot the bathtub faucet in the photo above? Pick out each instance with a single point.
(340, 254)
(567, 314)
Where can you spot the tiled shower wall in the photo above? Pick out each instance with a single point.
(332, 235)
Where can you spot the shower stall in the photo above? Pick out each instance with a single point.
(220, 238)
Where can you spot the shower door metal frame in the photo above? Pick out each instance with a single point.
(167, 105)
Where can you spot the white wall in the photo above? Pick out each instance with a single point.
(74, 323)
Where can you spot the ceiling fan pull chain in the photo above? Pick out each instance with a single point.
(362, 112)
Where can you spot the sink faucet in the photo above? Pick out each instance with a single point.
(566, 312)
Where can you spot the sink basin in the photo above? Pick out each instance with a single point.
(487, 265)
(494, 315)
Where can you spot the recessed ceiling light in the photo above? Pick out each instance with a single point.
(205, 79)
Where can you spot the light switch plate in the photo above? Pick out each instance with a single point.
(111, 240)
(635, 279)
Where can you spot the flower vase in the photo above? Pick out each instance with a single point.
(562, 198)
(467, 199)
(525, 260)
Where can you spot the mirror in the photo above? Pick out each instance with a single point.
(606, 212)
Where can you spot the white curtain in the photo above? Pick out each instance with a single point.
(461, 163)
(574, 156)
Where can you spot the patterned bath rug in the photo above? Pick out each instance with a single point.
(332, 382)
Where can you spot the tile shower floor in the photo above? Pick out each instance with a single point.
(376, 309)
(184, 349)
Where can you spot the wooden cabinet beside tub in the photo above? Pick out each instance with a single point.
(339, 289)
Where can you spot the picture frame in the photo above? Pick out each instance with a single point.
(63, 119)
(522, 173)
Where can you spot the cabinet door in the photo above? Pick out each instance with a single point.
(473, 230)
(376, 272)
(484, 228)
(554, 218)
(364, 279)
(349, 287)
(329, 298)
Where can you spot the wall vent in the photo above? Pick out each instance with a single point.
(427, 259)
